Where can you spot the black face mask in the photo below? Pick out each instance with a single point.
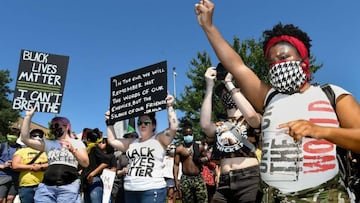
(56, 130)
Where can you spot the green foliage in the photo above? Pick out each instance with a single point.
(191, 99)
(7, 114)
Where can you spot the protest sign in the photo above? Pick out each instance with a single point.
(107, 176)
(40, 81)
(140, 91)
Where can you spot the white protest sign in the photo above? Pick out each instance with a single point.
(107, 177)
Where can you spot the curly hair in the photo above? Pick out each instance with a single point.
(288, 29)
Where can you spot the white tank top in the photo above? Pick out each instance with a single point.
(293, 166)
(145, 169)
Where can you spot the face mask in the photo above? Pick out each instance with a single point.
(188, 138)
(57, 132)
(37, 138)
(287, 77)
(227, 101)
(11, 138)
(56, 129)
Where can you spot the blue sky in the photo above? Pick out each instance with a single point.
(108, 38)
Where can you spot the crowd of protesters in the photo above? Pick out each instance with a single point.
(230, 164)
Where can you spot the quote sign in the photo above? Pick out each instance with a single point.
(137, 92)
(40, 81)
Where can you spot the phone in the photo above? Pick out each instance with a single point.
(221, 72)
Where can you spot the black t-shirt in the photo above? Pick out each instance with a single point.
(97, 157)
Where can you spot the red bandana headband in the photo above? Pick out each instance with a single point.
(299, 45)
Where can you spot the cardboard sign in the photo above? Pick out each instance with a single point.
(137, 92)
(40, 81)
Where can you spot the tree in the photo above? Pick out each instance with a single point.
(191, 99)
(7, 114)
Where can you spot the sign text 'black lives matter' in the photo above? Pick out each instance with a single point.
(40, 81)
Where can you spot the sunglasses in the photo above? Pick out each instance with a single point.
(146, 122)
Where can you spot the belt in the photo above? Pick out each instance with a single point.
(225, 178)
(29, 186)
(243, 171)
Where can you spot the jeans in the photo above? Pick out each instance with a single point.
(94, 192)
(58, 194)
(155, 195)
(26, 194)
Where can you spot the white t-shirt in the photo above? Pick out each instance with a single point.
(59, 155)
(290, 166)
(145, 168)
(169, 167)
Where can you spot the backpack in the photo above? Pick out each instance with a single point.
(349, 162)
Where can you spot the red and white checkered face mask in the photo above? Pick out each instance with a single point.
(287, 76)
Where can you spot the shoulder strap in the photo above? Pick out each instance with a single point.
(2, 146)
(326, 88)
(196, 154)
(34, 159)
(268, 99)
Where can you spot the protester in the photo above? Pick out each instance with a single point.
(65, 154)
(208, 172)
(191, 155)
(101, 156)
(31, 164)
(8, 177)
(168, 173)
(144, 181)
(91, 137)
(234, 151)
(118, 192)
(300, 127)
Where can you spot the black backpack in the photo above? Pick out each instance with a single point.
(349, 162)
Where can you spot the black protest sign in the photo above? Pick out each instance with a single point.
(40, 81)
(137, 92)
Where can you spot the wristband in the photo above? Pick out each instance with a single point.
(229, 86)
(233, 90)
